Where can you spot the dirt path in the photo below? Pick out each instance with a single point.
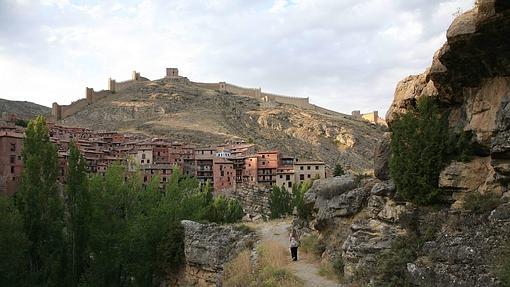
(304, 268)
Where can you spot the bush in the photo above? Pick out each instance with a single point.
(338, 170)
(303, 211)
(419, 152)
(313, 245)
(280, 202)
(391, 269)
(225, 210)
(479, 203)
(333, 270)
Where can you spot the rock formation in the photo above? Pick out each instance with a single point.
(361, 219)
(207, 247)
(470, 76)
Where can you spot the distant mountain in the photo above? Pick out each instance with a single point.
(23, 109)
(197, 113)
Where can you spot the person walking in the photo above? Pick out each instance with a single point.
(294, 244)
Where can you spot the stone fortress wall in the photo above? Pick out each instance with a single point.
(256, 93)
(267, 99)
(91, 96)
(372, 117)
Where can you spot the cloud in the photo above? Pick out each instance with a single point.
(344, 55)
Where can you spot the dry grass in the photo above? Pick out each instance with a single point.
(270, 271)
(238, 272)
(273, 254)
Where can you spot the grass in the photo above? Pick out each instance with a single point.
(333, 270)
(313, 245)
(270, 271)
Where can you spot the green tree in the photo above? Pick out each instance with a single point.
(225, 210)
(280, 202)
(419, 151)
(79, 211)
(41, 207)
(13, 246)
(298, 193)
(338, 170)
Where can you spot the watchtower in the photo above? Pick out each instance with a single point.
(223, 86)
(136, 76)
(88, 95)
(56, 111)
(172, 72)
(111, 85)
(356, 114)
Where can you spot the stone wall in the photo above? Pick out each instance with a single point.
(255, 200)
(300, 102)
(211, 86)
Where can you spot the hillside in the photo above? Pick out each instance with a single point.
(185, 111)
(23, 109)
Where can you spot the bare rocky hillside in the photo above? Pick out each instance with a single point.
(23, 109)
(180, 110)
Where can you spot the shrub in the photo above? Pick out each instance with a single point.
(503, 269)
(338, 170)
(303, 211)
(391, 269)
(479, 203)
(419, 151)
(313, 245)
(225, 210)
(280, 202)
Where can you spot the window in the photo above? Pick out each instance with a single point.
(309, 176)
(148, 161)
(289, 184)
(143, 155)
(287, 177)
(316, 167)
(145, 179)
(142, 161)
(13, 158)
(263, 163)
(308, 167)
(13, 147)
(281, 176)
(301, 177)
(263, 156)
(301, 167)
(222, 173)
(12, 169)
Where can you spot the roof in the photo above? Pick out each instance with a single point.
(309, 162)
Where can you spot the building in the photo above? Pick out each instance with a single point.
(308, 170)
(11, 164)
(224, 175)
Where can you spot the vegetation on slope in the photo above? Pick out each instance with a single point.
(102, 231)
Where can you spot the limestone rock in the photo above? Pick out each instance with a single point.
(382, 158)
(465, 176)
(327, 188)
(207, 247)
(386, 188)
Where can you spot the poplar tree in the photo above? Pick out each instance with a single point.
(41, 207)
(79, 210)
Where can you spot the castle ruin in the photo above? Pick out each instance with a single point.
(61, 111)
(372, 117)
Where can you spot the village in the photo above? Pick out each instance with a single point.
(225, 166)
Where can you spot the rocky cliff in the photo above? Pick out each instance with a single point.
(470, 76)
(179, 109)
(383, 240)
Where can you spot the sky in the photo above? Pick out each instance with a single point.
(343, 54)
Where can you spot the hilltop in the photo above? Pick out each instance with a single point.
(179, 109)
(22, 109)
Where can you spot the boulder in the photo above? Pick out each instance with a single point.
(327, 188)
(465, 176)
(207, 247)
(386, 188)
(382, 158)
